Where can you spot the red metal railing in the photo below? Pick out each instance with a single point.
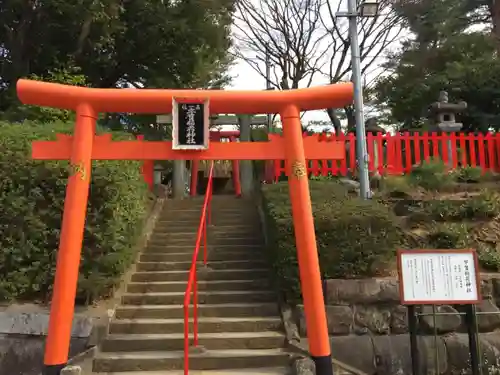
(192, 284)
(397, 154)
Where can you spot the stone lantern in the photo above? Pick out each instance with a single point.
(444, 114)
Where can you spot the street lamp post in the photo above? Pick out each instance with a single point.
(368, 8)
(267, 62)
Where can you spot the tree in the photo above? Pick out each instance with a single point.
(443, 54)
(70, 76)
(458, 66)
(143, 43)
(288, 32)
(305, 40)
(375, 34)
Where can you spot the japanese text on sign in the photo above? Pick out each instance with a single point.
(429, 277)
(190, 123)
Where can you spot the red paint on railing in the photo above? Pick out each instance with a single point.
(192, 284)
(397, 153)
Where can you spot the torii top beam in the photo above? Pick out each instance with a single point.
(160, 101)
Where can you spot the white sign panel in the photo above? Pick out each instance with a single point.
(438, 277)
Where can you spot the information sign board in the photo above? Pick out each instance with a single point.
(438, 277)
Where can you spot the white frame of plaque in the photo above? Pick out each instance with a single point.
(175, 123)
(444, 290)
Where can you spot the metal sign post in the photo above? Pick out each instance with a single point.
(439, 277)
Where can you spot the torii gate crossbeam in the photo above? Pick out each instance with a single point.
(84, 146)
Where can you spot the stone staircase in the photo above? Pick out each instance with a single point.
(239, 323)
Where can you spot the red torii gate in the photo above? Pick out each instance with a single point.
(85, 145)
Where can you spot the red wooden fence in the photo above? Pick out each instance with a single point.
(396, 154)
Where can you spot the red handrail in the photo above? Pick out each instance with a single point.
(192, 284)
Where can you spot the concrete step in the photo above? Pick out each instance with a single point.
(214, 285)
(214, 265)
(172, 360)
(210, 341)
(205, 325)
(221, 208)
(192, 225)
(202, 274)
(213, 233)
(212, 256)
(158, 239)
(174, 298)
(204, 310)
(215, 221)
(216, 213)
(190, 248)
(251, 371)
(215, 203)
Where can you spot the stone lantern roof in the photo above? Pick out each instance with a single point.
(443, 106)
(444, 113)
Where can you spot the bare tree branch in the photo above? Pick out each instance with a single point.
(288, 31)
(304, 39)
(375, 35)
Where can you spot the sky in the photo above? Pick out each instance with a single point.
(246, 78)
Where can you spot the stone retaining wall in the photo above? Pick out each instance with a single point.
(369, 329)
(371, 306)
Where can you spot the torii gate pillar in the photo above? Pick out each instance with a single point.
(305, 238)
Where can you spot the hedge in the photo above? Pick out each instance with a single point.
(31, 200)
(356, 238)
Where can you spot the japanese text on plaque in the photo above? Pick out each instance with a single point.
(190, 122)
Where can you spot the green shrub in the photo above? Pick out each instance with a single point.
(431, 175)
(356, 238)
(395, 186)
(488, 257)
(469, 174)
(449, 236)
(483, 206)
(463, 236)
(31, 200)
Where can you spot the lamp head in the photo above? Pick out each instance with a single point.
(368, 8)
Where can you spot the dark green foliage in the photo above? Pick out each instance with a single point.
(485, 205)
(355, 238)
(358, 238)
(116, 43)
(469, 174)
(31, 200)
(442, 59)
(431, 175)
(466, 236)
